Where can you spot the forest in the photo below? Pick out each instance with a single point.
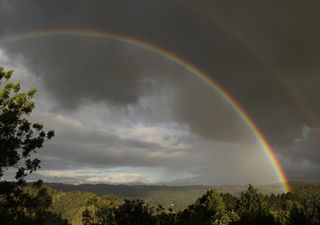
(43, 205)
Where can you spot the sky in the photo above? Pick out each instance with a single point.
(125, 114)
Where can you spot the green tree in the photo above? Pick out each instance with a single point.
(106, 215)
(253, 209)
(208, 209)
(105, 212)
(134, 212)
(19, 139)
(37, 207)
(87, 217)
(298, 216)
(229, 200)
(165, 217)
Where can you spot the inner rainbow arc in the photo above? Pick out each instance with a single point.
(261, 140)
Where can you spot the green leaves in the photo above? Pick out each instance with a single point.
(31, 92)
(19, 137)
(5, 74)
(37, 126)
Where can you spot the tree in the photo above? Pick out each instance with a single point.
(253, 210)
(134, 212)
(208, 209)
(229, 200)
(165, 217)
(106, 215)
(87, 217)
(19, 137)
(298, 216)
(105, 212)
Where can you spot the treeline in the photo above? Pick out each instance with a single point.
(213, 208)
(38, 204)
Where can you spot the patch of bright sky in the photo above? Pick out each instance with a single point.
(115, 175)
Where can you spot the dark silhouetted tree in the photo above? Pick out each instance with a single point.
(19, 139)
(165, 217)
(298, 216)
(134, 212)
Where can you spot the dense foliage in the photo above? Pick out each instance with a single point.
(302, 207)
(175, 197)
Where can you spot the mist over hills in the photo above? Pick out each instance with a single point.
(143, 190)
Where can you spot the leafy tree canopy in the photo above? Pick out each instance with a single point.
(19, 137)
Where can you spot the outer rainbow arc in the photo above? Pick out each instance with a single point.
(268, 151)
(287, 86)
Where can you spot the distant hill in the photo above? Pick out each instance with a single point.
(123, 191)
(141, 190)
(176, 197)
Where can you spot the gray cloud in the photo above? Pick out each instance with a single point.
(74, 69)
(78, 147)
(78, 69)
(304, 154)
(211, 35)
(193, 36)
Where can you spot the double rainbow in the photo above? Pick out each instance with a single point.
(260, 138)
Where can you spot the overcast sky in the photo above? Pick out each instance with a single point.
(123, 114)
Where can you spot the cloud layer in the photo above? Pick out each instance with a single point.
(113, 104)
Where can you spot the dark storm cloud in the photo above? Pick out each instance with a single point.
(75, 69)
(304, 154)
(283, 33)
(286, 33)
(208, 114)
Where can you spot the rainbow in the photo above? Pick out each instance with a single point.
(287, 86)
(261, 140)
